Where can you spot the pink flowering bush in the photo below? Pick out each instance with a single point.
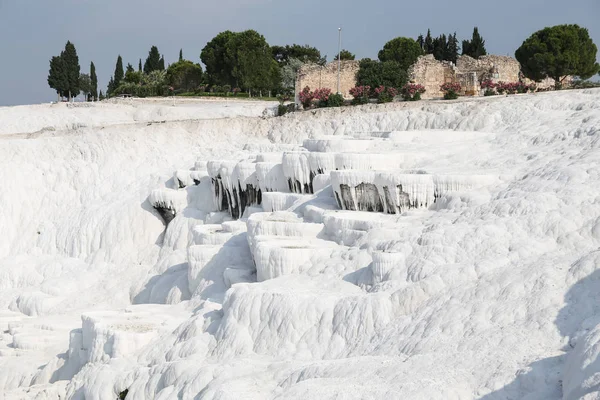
(489, 86)
(412, 91)
(306, 97)
(385, 94)
(360, 94)
(514, 87)
(322, 95)
(451, 90)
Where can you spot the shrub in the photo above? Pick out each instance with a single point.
(532, 88)
(322, 95)
(360, 94)
(281, 110)
(335, 100)
(450, 90)
(412, 91)
(306, 97)
(489, 92)
(385, 94)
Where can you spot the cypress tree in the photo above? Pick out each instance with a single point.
(421, 41)
(153, 61)
(140, 66)
(440, 46)
(94, 78)
(428, 45)
(119, 73)
(57, 77)
(111, 87)
(72, 69)
(452, 48)
(477, 44)
(474, 47)
(161, 64)
(101, 96)
(180, 54)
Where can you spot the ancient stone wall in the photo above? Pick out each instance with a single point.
(316, 77)
(431, 73)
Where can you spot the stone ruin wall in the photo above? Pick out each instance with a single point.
(316, 77)
(431, 73)
(469, 72)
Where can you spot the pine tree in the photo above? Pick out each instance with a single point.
(428, 45)
(161, 64)
(57, 77)
(94, 78)
(181, 55)
(72, 69)
(153, 61)
(129, 69)
(140, 66)
(421, 41)
(101, 96)
(119, 73)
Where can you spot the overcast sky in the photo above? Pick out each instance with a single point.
(32, 31)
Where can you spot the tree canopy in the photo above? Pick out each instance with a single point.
(64, 72)
(306, 54)
(119, 73)
(404, 51)
(241, 59)
(94, 79)
(345, 55)
(474, 47)
(152, 61)
(558, 52)
(184, 75)
(376, 73)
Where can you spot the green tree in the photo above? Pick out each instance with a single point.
(85, 85)
(129, 68)
(558, 52)
(111, 87)
(405, 51)
(161, 64)
(94, 79)
(452, 49)
(57, 77)
(421, 41)
(140, 66)
(180, 54)
(184, 75)
(474, 47)
(289, 72)
(306, 54)
(440, 47)
(132, 76)
(250, 56)
(345, 55)
(213, 56)
(119, 73)
(428, 43)
(101, 96)
(152, 61)
(72, 69)
(376, 73)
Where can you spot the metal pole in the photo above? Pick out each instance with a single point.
(339, 58)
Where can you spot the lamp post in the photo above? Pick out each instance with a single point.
(339, 58)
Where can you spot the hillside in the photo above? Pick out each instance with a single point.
(477, 281)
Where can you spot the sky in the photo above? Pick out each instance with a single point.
(32, 31)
